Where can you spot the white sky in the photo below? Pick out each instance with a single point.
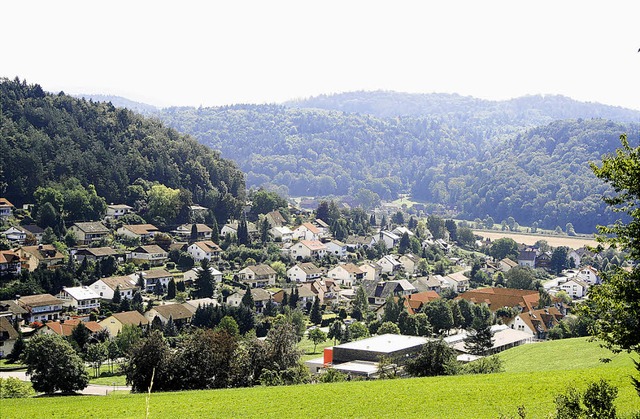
(221, 52)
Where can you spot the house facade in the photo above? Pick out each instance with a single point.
(152, 254)
(106, 287)
(41, 307)
(82, 300)
(89, 232)
(304, 272)
(258, 276)
(346, 275)
(144, 232)
(313, 249)
(204, 250)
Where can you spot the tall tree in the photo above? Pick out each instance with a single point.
(247, 299)
(243, 231)
(204, 280)
(53, 365)
(616, 302)
(171, 289)
(316, 315)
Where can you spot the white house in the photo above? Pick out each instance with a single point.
(306, 231)
(576, 288)
(389, 264)
(304, 272)
(116, 211)
(336, 247)
(457, 281)
(284, 233)
(203, 231)
(589, 275)
(106, 287)
(81, 299)
(390, 240)
(400, 230)
(153, 278)
(6, 208)
(204, 250)
(347, 274)
(15, 234)
(308, 249)
(258, 276)
(527, 258)
(144, 232)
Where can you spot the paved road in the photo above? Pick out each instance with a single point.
(92, 389)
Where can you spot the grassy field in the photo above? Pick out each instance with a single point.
(307, 346)
(530, 239)
(534, 375)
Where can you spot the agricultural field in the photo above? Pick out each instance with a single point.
(531, 239)
(534, 375)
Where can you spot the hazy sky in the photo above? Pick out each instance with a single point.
(212, 53)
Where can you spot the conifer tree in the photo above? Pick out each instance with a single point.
(215, 233)
(247, 299)
(117, 298)
(204, 281)
(171, 289)
(316, 315)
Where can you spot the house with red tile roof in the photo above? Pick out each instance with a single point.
(496, 298)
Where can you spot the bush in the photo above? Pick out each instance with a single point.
(487, 365)
(12, 388)
(332, 376)
(597, 399)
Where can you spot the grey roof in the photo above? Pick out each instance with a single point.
(12, 306)
(92, 227)
(32, 228)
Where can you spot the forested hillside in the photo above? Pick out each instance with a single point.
(477, 157)
(47, 138)
(522, 111)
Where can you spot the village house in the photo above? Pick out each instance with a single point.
(575, 287)
(232, 228)
(115, 211)
(409, 263)
(258, 276)
(89, 232)
(429, 283)
(198, 212)
(457, 281)
(304, 272)
(372, 270)
(191, 275)
(506, 264)
(389, 264)
(400, 230)
(527, 258)
(41, 307)
(305, 295)
(6, 208)
(44, 254)
(144, 232)
(106, 287)
(10, 264)
(536, 323)
(543, 260)
(204, 250)
(19, 234)
(203, 231)
(312, 249)
(97, 254)
(8, 337)
(306, 231)
(589, 275)
(354, 243)
(82, 300)
(152, 254)
(179, 314)
(275, 219)
(117, 321)
(346, 275)
(153, 278)
(283, 234)
(378, 292)
(388, 238)
(496, 298)
(416, 301)
(337, 248)
(14, 312)
(65, 327)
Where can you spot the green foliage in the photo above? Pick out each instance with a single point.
(504, 247)
(597, 402)
(521, 277)
(435, 358)
(53, 365)
(13, 388)
(440, 315)
(358, 330)
(332, 376)
(52, 138)
(388, 327)
(317, 336)
(485, 365)
(204, 280)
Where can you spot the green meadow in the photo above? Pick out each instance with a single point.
(533, 375)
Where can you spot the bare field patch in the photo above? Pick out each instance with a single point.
(531, 239)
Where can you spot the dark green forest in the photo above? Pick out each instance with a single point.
(49, 138)
(518, 158)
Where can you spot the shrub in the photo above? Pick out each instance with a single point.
(11, 388)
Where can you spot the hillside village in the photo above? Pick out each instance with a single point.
(351, 274)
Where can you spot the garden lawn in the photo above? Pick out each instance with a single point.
(469, 396)
(307, 346)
